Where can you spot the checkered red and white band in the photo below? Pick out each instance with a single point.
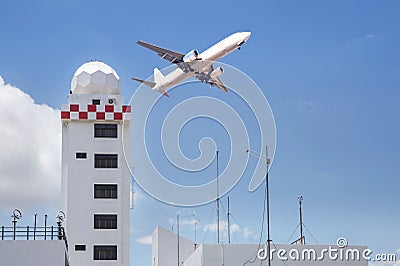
(95, 112)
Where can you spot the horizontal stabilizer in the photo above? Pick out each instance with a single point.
(145, 82)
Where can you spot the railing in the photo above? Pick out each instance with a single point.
(33, 233)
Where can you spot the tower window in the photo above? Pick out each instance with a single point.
(81, 155)
(106, 161)
(105, 191)
(80, 247)
(105, 253)
(105, 130)
(96, 101)
(105, 221)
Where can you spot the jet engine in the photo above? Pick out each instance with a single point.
(216, 72)
(191, 56)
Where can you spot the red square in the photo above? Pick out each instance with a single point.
(100, 116)
(109, 108)
(83, 115)
(117, 116)
(91, 108)
(74, 107)
(65, 115)
(126, 108)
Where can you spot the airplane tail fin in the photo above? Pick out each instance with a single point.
(158, 76)
(145, 82)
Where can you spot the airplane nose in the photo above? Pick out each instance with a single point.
(246, 35)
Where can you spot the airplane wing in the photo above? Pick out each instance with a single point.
(171, 56)
(216, 81)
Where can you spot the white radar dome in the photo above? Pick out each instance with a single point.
(95, 78)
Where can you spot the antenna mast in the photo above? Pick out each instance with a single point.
(177, 222)
(302, 240)
(229, 224)
(217, 199)
(267, 161)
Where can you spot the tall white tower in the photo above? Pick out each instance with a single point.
(95, 175)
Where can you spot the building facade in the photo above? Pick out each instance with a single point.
(95, 173)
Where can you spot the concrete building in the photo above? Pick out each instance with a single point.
(33, 252)
(165, 247)
(165, 253)
(95, 175)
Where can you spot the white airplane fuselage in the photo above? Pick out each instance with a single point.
(205, 59)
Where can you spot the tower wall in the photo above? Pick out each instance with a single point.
(96, 177)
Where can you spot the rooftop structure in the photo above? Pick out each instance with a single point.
(165, 253)
(95, 78)
(33, 245)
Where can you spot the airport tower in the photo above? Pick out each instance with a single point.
(95, 175)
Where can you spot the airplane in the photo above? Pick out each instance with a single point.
(193, 64)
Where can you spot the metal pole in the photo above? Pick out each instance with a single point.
(59, 230)
(16, 215)
(195, 235)
(217, 200)
(229, 224)
(301, 221)
(267, 192)
(14, 225)
(60, 218)
(267, 161)
(177, 225)
(34, 228)
(45, 226)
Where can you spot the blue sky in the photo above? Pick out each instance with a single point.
(329, 69)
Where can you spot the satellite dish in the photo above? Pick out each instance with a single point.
(61, 216)
(16, 214)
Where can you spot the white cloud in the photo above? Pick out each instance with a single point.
(188, 222)
(30, 151)
(366, 37)
(145, 240)
(247, 232)
(301, 105)
(235, 228)
(223, 225)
